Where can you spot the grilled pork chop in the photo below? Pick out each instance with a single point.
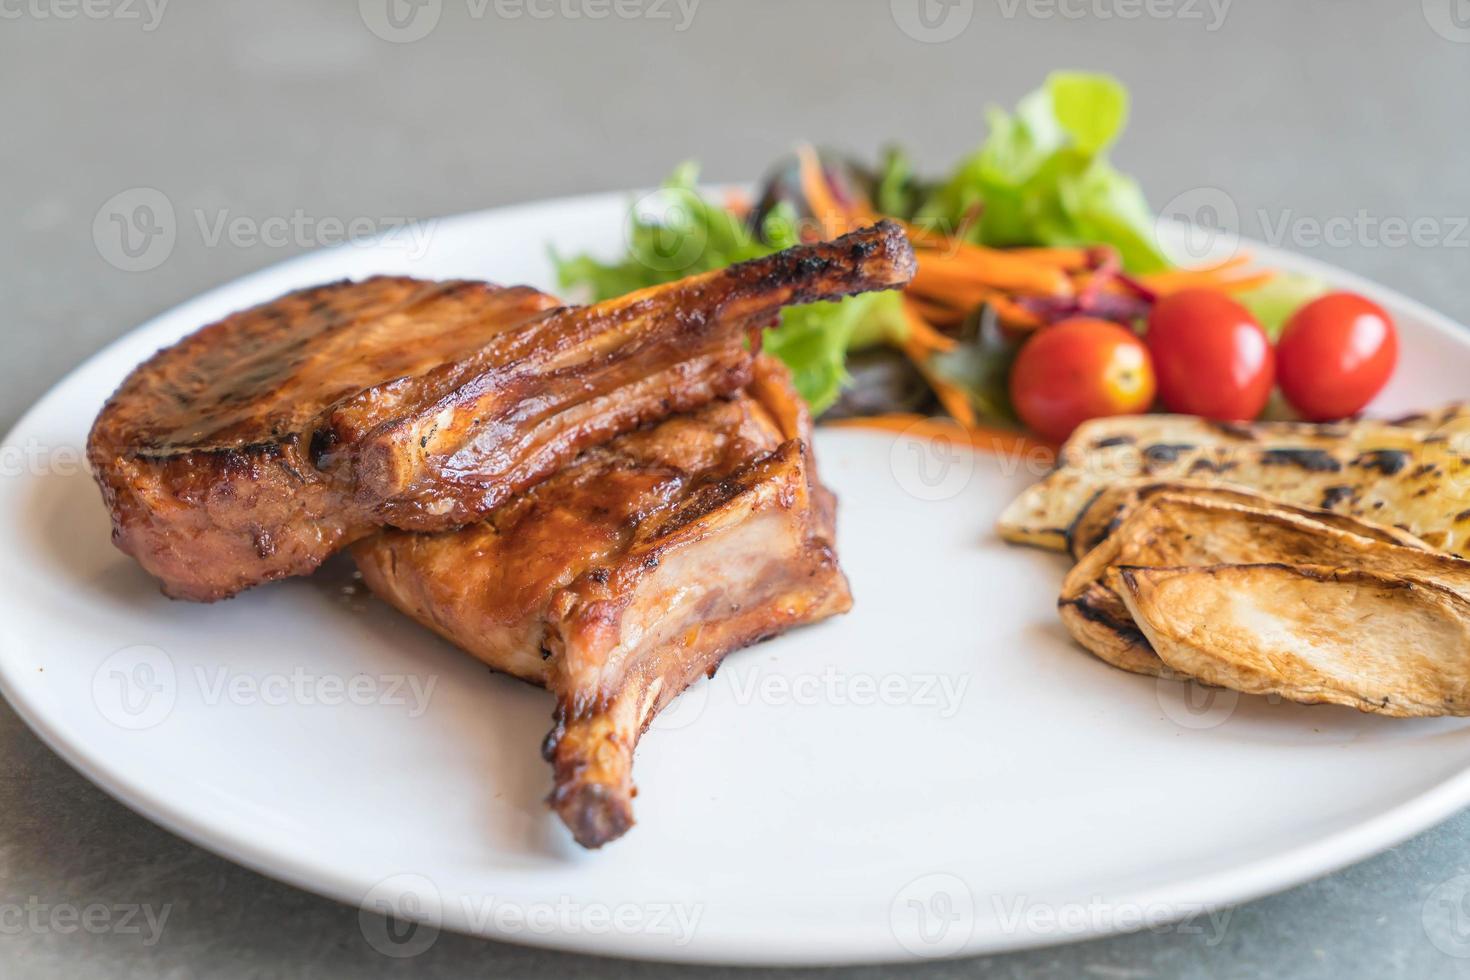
(259, 445)
(620, 580)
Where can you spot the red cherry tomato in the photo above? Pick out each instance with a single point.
(1335, 354)
(1080, 369)
(1211, 356)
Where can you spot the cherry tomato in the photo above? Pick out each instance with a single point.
(1077, 370)
(1212, 357)
(1335, 354)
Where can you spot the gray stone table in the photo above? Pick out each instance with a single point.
(1310, 116)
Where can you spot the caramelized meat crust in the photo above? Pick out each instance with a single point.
(259, 445)
(626, 576)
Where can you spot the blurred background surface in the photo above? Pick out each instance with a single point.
(1310, 116)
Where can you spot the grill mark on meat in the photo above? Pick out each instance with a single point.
(617, 613)
(341, 408)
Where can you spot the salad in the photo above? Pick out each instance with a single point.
(1042, 297)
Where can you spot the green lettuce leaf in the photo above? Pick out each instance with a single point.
(688, 234)
(684, 236)
(1042, 176)
(813, 340)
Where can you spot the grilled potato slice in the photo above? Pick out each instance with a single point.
(1111, 505)
(1379, 643)
(1410, 475)
(1176, 530)
(1448, 420)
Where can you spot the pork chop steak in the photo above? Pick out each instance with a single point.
(254, 448)
(619, 581)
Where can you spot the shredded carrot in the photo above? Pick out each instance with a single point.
(963, 295)
(936, 310)
(1164, 283)
(1244, 283)
(922, 333)
(1013, 314)
(961, 301)
(984, 438)
(1236, 261)
(920, 236)
(969, 264)
(833, 218)
(1204, 273)
(737, 203)
(1066, 259)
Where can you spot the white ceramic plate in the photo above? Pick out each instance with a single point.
(938, 773)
